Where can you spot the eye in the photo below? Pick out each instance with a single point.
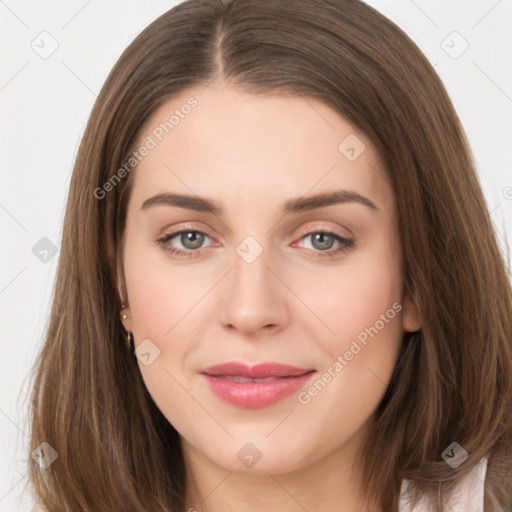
(323, 240)
(190, 239)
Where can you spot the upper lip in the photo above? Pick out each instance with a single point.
(259, 371)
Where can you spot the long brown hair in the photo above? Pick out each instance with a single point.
(453, 378)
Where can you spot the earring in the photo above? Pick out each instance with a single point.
(128, 335)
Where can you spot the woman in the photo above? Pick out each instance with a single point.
(279, 285)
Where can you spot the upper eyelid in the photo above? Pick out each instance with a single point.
(206, 231)
(175, 232)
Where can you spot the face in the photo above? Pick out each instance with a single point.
(272, 276)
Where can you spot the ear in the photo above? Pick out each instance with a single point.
(125, 313)
(411, 320)
(114, 267)
(115, 270)
(113, 264)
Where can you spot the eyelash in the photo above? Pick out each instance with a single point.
(346, 244)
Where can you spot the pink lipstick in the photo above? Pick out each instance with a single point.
(253, 387)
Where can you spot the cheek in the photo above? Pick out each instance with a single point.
(161, 296)
(366, 301)
(162, 301)
(360, 300)
(362, 306)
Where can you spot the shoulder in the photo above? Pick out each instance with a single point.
(468, 496)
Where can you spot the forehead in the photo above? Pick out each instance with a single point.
(217, 140)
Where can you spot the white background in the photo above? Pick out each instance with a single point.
(45, 104)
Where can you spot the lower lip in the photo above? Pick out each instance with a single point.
(254, 395)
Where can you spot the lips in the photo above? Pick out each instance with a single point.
(257, 386)
(259, 371)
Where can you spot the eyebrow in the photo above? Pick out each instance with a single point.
(297, 205)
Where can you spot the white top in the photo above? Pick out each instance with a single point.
(468, 496)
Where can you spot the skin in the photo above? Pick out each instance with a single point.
(252, 153)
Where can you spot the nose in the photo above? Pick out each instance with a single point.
(254, 297)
